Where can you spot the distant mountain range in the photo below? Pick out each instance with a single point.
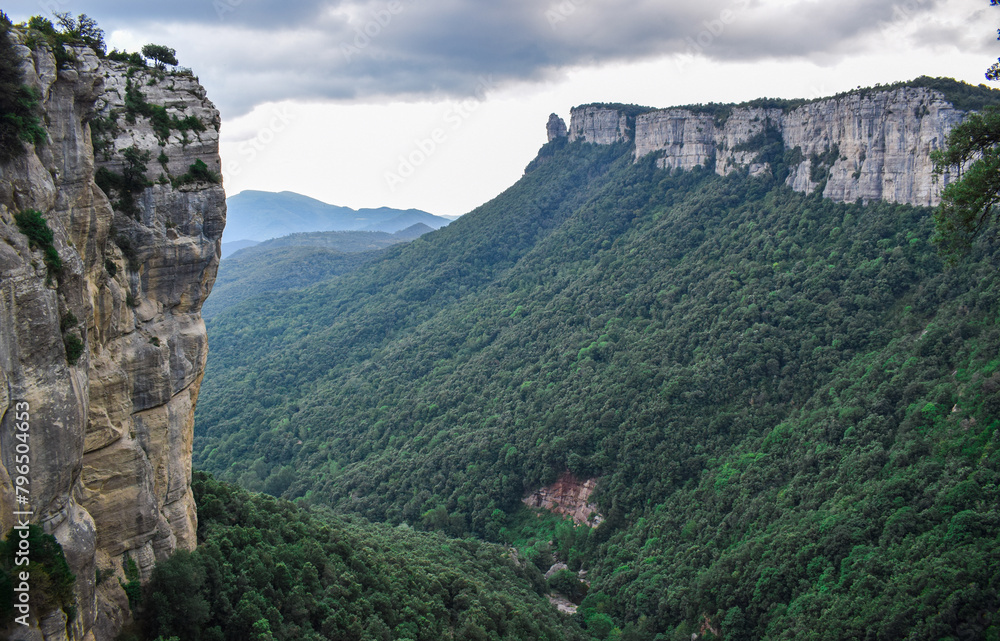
(262, 215)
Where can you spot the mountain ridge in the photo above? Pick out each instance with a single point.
(873, 143)
(298, 260)
(262, 215)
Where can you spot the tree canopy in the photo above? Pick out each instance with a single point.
(162, 54)
(83, 28)
(969, 204)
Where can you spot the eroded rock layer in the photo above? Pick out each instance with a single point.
(568, 496)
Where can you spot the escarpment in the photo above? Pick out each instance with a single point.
(868, 145)
(108, 350)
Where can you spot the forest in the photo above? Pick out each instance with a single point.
(790, 404)
(268, 570)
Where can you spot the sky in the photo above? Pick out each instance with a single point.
(440, 104)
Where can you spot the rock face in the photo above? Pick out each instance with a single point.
(570, 497)
(555, 128)
(599, 125)
(867, 145)
(110, 433)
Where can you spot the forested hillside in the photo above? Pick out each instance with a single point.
(268, 570)
(297, 260)
(791, 404)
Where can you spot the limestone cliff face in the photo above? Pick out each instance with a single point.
(884, 142)
(599, 125)
(111, 434)
(555, 128)
(872, 145)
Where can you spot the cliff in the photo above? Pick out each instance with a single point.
(110, 428)
(871, 144)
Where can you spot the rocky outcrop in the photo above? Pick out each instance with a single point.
(568, 496)
(555, 128)
(111, 431)
(870, 145)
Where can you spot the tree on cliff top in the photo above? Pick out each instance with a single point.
(84, 29)
(163, 55)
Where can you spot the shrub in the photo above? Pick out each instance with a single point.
(197, 172)
(68, 322)
(74, 348)
(82, 29)
(161, 54)
(19, 112)
(51, 579)
(133, 59)
(133, 588)
(33, 225)
(566, 583)
(127, 184)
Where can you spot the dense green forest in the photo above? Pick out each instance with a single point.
(267, 570)
(790, 403)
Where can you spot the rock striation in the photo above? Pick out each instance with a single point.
(111, 432)
(868, 145)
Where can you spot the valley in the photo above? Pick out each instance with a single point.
(704, 371)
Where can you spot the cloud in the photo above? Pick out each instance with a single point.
(252, 13)
(253, 51)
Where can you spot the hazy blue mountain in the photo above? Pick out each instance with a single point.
(262, 215)
(228, 249)
(413, 231)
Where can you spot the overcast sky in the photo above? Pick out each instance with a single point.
(439, 104)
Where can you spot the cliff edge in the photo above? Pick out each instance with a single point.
(870, 144)
(108, 350)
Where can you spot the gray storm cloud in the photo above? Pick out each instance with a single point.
(253, 51)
